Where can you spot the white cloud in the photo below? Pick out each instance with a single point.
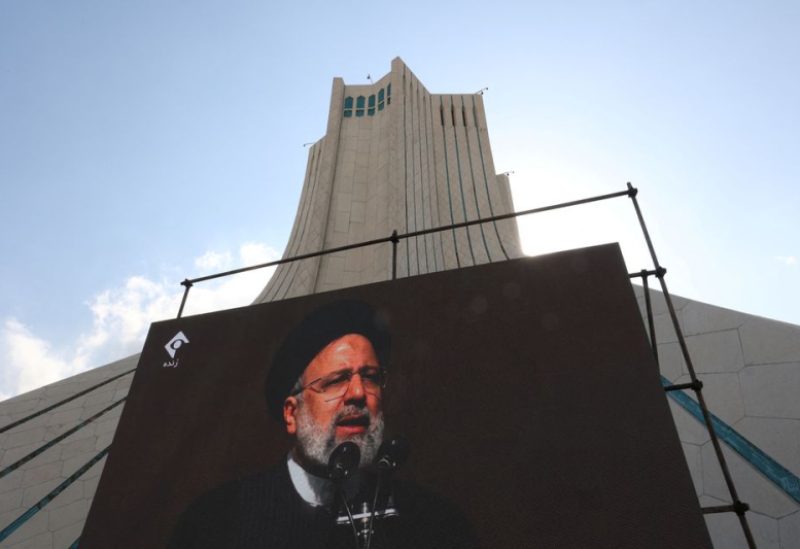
(29, 361)
(213, 261)
(121, 317)
(235, 290)
(787, 259)
(581, 226)
(252, 253)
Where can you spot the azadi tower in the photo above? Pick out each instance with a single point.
(397, 157)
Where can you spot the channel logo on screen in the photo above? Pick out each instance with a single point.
(172, 346)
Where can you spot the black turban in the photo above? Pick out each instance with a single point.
(314, 333)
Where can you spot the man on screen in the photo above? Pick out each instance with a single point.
(326, 384)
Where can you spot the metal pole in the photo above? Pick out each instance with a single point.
(399, 237)
(737, 506)
(187, 284)
(395, 240)
(649, 307)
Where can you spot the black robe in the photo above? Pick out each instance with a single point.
(264, 511)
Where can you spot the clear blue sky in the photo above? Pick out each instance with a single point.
(144, 142)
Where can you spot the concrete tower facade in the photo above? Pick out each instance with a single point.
(396, 157)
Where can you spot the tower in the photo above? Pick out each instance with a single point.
(396, 157)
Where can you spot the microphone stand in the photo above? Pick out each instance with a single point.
(374, 507)
(391, 454)
(339, 493)
(343, 461)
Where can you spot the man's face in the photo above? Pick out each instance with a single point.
(321, 422)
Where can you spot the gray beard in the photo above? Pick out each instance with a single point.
(315, 442)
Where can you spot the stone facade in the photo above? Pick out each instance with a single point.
(750, 369)
(59, 523)
(421, 160)
(396, 157)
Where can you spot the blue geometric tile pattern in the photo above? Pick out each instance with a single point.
(774, 471)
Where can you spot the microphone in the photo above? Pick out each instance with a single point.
(392, 454)
(344, 461)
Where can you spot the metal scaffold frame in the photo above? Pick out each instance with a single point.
(695, 385)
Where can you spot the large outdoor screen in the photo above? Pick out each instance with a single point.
(525, 390)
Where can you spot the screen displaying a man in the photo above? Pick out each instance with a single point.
(326, 384)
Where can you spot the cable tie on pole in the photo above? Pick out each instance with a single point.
(394, 238)
(660, 272)
(678, 387)
(740, 508)
(187, 284)
(696, 385)
(632, 191)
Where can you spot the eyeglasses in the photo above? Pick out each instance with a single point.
(333, 386)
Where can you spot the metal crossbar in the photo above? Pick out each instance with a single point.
(394, 239)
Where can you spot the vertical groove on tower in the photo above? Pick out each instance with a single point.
(419, 179)
(405, 172)
(447, 177)
(499, 188)
(460, 181)
(326, 202)
(472, 178)
(410, 95)
(434, 181)
(485, 178)
(430, 243)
